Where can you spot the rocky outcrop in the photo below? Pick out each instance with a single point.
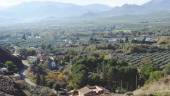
(6, 56)
(4, 94)
(8, 87)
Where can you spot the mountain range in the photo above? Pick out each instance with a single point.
(37, 11)
(147, 8)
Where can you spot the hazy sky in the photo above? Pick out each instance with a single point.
(8, 3)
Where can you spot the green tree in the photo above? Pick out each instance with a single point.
(94, 78)
(31, 52)
(155, 76)
(146, 70)
(11, 66)
(167, 69)
(50, 83)
(57, 87)
(23, 52)
(40, 75)
(78, 75)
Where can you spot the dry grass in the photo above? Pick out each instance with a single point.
(160, 87)
(165, 40)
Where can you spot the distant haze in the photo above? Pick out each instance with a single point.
(35, 11)
(9, 3)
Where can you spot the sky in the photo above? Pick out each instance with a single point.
(114, 3)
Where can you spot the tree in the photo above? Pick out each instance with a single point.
(94, 78)
(40, 75)
(31, 52)
(155, 76)
(116, 74)
(46, 92)
(78, 75)
(56, 86)
(11, 66)
(167, 69)
(146, 70)
(27, 52)
(50, 83)
(108, 73)
(23, 52)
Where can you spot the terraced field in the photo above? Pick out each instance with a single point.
(159, 59)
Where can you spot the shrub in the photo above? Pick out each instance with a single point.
(167, 69)
(155, 76)
(11, 66)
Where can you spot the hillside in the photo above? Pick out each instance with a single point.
(9, 88)
(5, 56)
(147, 8)
(161, 87)
(30, 11)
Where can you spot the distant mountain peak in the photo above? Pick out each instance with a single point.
(159, 2)
(36, 10)
(33, 11)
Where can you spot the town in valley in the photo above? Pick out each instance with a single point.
(95, 51)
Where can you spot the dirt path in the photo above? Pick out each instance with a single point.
(27, 80)
(25, 62)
